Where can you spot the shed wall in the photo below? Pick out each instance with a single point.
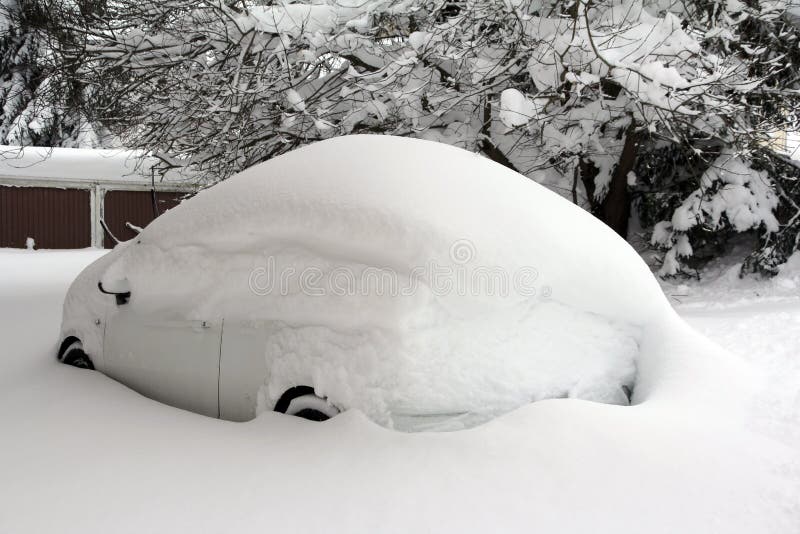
(54, 218)
(135, 207)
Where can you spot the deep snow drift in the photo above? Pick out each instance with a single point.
(81, 453)
(443, 282)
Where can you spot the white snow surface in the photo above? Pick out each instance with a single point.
(759, 319)
(516, 109)
(82, 164)
(82, 453)
(364, 204)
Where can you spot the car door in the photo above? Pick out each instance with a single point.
(243, 368)
(169, 360)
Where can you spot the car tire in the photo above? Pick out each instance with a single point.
(302, 402)
(76, 357)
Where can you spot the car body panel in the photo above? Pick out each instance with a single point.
(172, 361)
(243, 369)
(85, 307)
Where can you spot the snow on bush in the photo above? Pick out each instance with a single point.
(571, 95)
(34, 106)
(731, 194)
(516, 109)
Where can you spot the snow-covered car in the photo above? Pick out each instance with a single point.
(422, 284)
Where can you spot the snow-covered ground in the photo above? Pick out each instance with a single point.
(759, 320)
(79, 452)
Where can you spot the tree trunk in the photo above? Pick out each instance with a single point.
(486, 146)
(615, 208)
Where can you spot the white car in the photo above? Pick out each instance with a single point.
(420, 283)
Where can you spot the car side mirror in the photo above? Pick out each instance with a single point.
(122, 293)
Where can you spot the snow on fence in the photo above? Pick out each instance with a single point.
(59, 197)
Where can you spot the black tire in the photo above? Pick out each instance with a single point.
(75, 357)
(311, 415)
(301, 402)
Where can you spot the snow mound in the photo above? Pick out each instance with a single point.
(401, 276)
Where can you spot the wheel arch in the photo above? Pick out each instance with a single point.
(289, 395)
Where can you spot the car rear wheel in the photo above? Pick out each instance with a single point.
(301, 402)
(75, 356)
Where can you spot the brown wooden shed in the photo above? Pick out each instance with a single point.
(58, 198)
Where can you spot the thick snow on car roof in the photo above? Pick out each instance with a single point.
(402, 203)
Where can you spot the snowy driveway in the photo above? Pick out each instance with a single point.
(82, 453)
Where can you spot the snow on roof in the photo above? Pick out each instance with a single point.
(82, 165)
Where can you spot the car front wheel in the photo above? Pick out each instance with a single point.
(75, 356)
(301, 402)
